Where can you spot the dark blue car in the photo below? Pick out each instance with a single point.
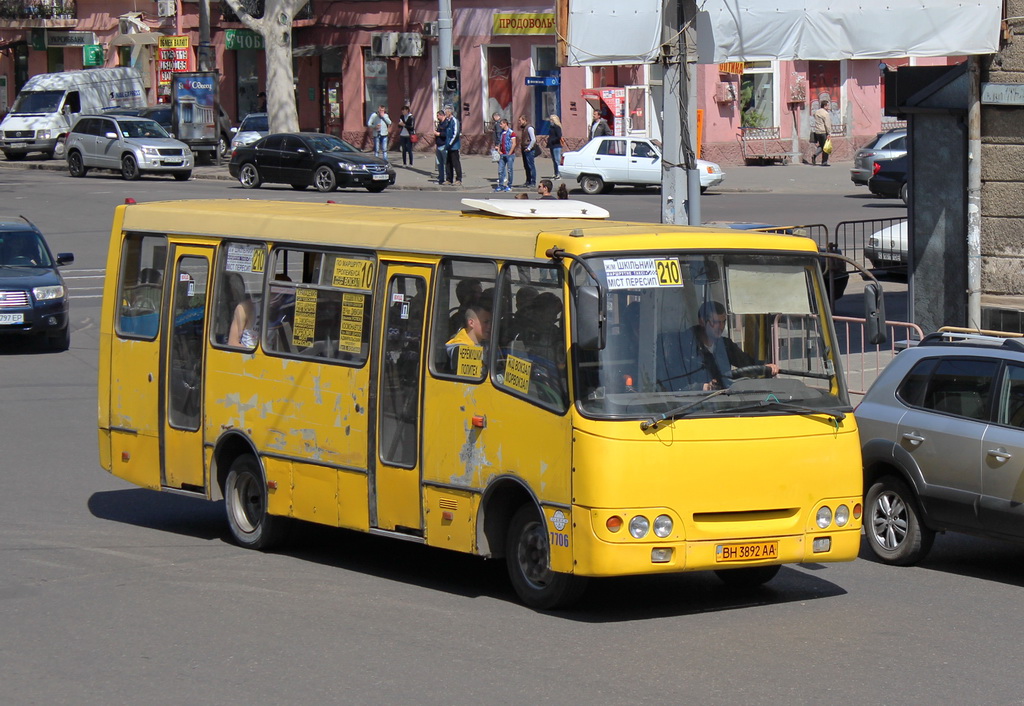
(33, 296)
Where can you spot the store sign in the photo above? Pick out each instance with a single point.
(235, 39)
(524, 23)
(92, 55)
(42, 39)
(1002, 94)
(173, 56)
(543, 81)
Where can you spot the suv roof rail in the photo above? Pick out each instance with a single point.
(950, 334)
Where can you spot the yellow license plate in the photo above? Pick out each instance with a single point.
(750, 551)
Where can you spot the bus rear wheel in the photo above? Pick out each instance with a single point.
(245, 500)
(527, 555)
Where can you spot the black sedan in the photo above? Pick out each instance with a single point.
(890, 178)
(305, 159)
(33, 297)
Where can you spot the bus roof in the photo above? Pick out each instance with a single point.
(469, 233)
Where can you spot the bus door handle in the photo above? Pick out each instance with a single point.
(1000, 454)
(913, 437)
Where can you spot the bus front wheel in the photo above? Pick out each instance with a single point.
(527, 554)
(245, 500)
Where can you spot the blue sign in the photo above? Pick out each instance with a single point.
(543, 81)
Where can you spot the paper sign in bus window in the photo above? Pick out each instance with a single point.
(246, 258)
(350, 340)
(470, 363)
(305, 317)
(643, 273)
(517, 374)
(352, 274)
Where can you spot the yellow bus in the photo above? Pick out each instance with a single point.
(581, 397)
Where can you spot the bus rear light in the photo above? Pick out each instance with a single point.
(822, 544)
(661, 555)
(614, 523)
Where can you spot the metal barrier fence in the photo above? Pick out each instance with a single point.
(885, 251)
(863, 361)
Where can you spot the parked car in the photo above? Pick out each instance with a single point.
(890, 178)
(135, 146)
(308, 158)
(942, 431)
(605, 162)
(33, 296)
(887, 248)
(253, 127)
(886, 145)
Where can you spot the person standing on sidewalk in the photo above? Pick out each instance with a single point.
(507, 156)
(555, 143)
(599, 126)
(527, 142)
(453, 144)
(441, 145)
(405, 135)
(379, 124)
(820, 132)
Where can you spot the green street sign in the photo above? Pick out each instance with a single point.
(92, 55)
(235, 39)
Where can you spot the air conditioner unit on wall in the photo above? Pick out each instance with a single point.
(409, 44)
(383, 43)
(165, 8)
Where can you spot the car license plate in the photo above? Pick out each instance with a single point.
(380, 177)
(17, 145)
(172, 162)
(750, 551)
(12, 318)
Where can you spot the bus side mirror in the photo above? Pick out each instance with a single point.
(874, 313)
(589, 319)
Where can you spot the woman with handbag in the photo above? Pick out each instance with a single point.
(407, 135)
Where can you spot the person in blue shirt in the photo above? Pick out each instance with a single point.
(453, 145)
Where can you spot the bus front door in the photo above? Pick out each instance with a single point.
(183, 465)
(396, 503)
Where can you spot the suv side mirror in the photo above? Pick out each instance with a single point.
(874, 313)
(65, 258)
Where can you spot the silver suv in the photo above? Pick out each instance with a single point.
(942, 432)
(133, 145)
(886, 145)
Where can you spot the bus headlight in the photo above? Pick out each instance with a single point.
(639, 526)
(824, 516)
(662, 526)
(842, 516)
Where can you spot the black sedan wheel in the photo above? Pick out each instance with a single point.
(249, 176)
(324, 179)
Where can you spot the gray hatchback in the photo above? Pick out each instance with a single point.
(942, 432)
(132, 145)
(886, 145)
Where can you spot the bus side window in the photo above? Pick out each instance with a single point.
(531, 359)
(143, 261)
(464, 305)
(238, 306)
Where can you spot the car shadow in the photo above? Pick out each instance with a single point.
(973, 557)
(23, 345)
(606, 600)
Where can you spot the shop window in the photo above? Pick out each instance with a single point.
(375, 83)
(757, 94)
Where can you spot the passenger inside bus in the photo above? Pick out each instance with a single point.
(467, 291)
(475, 332)
(702, 357)
(245, 322)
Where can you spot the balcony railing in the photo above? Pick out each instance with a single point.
(29, 10)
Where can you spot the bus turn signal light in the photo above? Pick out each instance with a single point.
(614, 523)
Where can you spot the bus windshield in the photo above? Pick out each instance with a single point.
(37, 102)
(734, 333)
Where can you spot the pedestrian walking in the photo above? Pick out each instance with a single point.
(528, 144)
(820, 132)
(379, 124)
(407, 134)
(453, 131)
(599, 126)
(555, 143)
(441, 146)
(507, 156)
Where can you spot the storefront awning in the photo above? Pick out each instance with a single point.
(135, 39)
(314, 49)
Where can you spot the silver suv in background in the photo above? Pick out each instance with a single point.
(132, 145)
(886, 145)
(253, 127)
(942, 435)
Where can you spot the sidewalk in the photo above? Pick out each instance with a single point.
(480, 174)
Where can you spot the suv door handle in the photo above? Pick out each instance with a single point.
(1000, 454)
(913, 437)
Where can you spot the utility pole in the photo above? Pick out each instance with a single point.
(680, 182)
(205, 54)
(447, 74)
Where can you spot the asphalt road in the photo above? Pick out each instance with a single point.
(112, 594)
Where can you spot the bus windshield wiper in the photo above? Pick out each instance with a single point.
(653, 422)
(787, 407)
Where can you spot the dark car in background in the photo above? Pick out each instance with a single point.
(304, 159)
(886, 145)
(889, 178)
(33, 296)
(162, 115)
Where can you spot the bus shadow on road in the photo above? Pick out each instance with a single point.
(605, 601)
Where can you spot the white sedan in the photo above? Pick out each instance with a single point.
(888, 247)
(604, 162)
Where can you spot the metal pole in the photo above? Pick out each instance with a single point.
(679, 201)
(445, 53)
(973, 194)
